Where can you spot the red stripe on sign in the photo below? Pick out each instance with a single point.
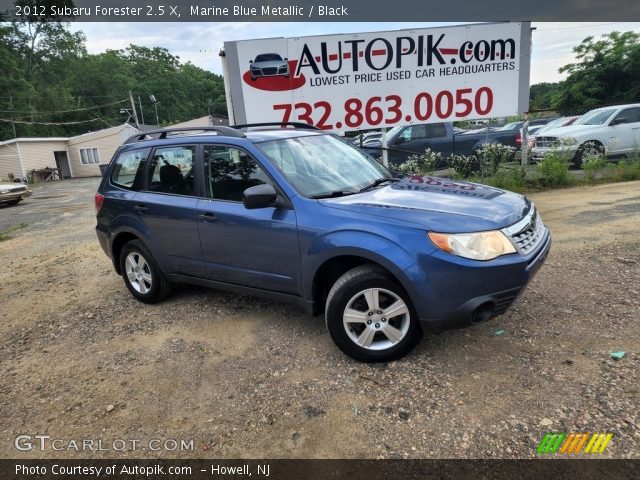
(346, 55)
(469, 52)
(317, 59)
(448, 51)
(333, 56)
(381, 51)
(361, 54)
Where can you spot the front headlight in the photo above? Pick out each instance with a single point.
(4, 190)
(476, 246)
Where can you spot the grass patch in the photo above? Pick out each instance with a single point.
(4, 235)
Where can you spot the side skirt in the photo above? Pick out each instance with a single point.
(241, 290)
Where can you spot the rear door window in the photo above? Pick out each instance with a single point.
(172, 170)
(128, 167)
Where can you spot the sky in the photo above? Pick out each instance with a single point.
(200, 43)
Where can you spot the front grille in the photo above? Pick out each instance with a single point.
(546, 142)
(269, 71)
(18, 189)
(528, 239)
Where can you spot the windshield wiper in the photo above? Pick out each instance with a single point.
(379, 181)
(335, 193)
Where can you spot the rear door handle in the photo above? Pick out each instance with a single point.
(140, 208)
(208, 217)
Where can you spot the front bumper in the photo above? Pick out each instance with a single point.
(538, 153)
(450, 292)
(14, 195)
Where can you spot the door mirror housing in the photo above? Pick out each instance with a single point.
(260, 196)
(618, 121)
(399, 140)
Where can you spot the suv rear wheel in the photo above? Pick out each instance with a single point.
(141, 273)
(370, 317)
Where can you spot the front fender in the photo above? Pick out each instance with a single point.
(370, 246)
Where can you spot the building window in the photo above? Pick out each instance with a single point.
(89, 156)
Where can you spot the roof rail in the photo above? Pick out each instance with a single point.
(162, 133)
(300, 125)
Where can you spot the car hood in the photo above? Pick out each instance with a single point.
(439, 204)
(270, 64)
(570, 130)
(12, 186)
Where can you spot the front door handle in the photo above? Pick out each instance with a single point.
(140, 208)
(208, 217)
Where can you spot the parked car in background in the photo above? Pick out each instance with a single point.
(367, 138)
(405, 141)
(540, 129)
(300, 215)
(13, 193)
(613, 132)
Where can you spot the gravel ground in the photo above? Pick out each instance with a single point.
(244, 377)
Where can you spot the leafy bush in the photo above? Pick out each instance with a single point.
(553, 170)
(492, 155)
(513, 179)
(591, 166)
(421, 164)
(465, 166)
(624, 170)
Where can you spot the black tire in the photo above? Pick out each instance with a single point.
(595, 148)
(14, 202)
(343, 291)
(160, 287)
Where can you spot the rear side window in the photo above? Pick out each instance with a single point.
(128, 167)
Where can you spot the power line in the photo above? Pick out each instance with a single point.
(8, 120)
(590, 25)
(63, 111)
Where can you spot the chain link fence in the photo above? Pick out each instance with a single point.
(583, 139)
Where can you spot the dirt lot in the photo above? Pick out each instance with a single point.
(249, 378)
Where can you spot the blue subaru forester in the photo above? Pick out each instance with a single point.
(299, 215)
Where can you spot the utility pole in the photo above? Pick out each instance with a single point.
(13, 124)
(133, 107)
(141, 111)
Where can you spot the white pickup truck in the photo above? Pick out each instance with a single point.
(610, 131)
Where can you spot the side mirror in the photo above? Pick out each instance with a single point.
(618, 121)
(260, 196)
(399, 140)
(250, 62)
(286, 59)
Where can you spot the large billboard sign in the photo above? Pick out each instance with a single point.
(381, 79)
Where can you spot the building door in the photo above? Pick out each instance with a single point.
(62, 163)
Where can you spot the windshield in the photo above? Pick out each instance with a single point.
(323, 164)
(595, 117)
(558, 122)
(510, 126)
(268, 57)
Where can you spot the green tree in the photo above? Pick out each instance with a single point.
(607, 71)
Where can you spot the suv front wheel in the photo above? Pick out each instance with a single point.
(370, 317)
(141, 273)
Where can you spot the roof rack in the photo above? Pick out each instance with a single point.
(162, 133)
(299, 125)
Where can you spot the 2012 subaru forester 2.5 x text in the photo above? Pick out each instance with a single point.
(300, 215)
